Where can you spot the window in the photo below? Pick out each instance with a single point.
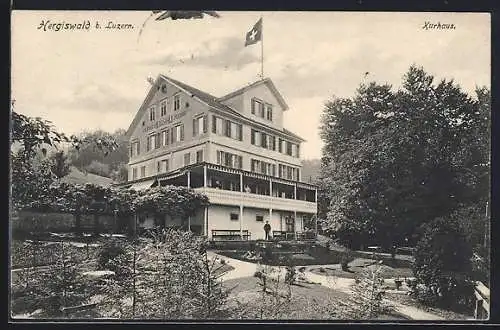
(179, 133)
(164, 138)
(199, 125)
(269, 112)
(158, 167)
(163, 108)
(187, 158)
(229, 160)
(252, 136)
(255, 106)
(157, 140)
(234, 216)
(134, 149)
(259, 218)
(153, 142)
(288, 148)
(143, 171)
(152, 113)
(163, 166)
(199, 156)
(261, 109)
(297, 151)
(280, 145)
(177, 102)
(134, 173)
(263, 140)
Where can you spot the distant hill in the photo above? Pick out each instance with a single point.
(310, 170)
(78, 177)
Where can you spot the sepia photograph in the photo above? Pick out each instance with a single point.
(249, 166)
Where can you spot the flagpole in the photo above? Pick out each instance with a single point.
(262, 48)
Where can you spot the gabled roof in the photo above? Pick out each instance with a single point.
(269, 84)
(212, 101)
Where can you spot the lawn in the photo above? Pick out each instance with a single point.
(358, 266)
(410, 301)
(308, 302)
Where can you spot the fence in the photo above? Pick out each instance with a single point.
(31, 221)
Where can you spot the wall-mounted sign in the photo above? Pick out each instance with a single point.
(164, 121)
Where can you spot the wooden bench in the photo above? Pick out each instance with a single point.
(230, 235)
(405, 250)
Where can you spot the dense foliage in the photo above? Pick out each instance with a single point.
(443, 265)
(393, 160)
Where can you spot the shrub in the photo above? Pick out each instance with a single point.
(442, 265)
(345, 259)
(109, 252)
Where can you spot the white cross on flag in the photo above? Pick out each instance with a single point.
(255, 34)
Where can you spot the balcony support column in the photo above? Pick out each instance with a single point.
(270, 187)
(205, 176)
(241, 182)
(316, 213)
(271, 218)
(188, 179)
(241, 222)
(205, 222)
(295, 191)
(295, 223)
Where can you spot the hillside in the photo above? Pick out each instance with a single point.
(78, 177)
(310, 170)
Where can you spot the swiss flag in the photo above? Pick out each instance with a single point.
(255, 34)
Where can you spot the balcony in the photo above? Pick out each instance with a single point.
(235, 198)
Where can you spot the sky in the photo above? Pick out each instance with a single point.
(84, 80)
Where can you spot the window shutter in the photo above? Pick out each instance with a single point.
(157, 140)
(182, 132)
(214, 124)
(240, 162)
(261, 109)
(167, 137)
(228, 128)
(205, 123)
(252, 137)
(218, 156)
(138, 147)
(148, 142)
(253, 107)
(195, 127)
(173, 135)
(158, 167)
(130, 149)
(273, 169)
(240, 132)
(279, 145)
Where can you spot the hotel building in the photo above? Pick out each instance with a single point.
(232, 148)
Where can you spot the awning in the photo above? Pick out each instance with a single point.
(143, 185)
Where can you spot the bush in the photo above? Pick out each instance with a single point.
(442, 266)
(109, 252)
(344, 261)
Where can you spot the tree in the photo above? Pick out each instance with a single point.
(88, 157)
(59, 164)
(98, 168)
(393, 160)
(443, 265)
(30, 172)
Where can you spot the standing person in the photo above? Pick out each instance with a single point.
(267, 229)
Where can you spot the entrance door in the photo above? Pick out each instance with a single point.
(289, 224)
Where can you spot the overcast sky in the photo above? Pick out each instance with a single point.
(85, 80)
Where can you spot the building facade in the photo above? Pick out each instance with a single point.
(233, 148)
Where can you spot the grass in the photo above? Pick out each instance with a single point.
(355, 271)
(410, 301)
(308, 302)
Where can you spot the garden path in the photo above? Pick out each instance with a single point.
(246, 269)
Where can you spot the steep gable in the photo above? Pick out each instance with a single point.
(267, 82)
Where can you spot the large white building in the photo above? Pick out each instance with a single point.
(233, 148)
